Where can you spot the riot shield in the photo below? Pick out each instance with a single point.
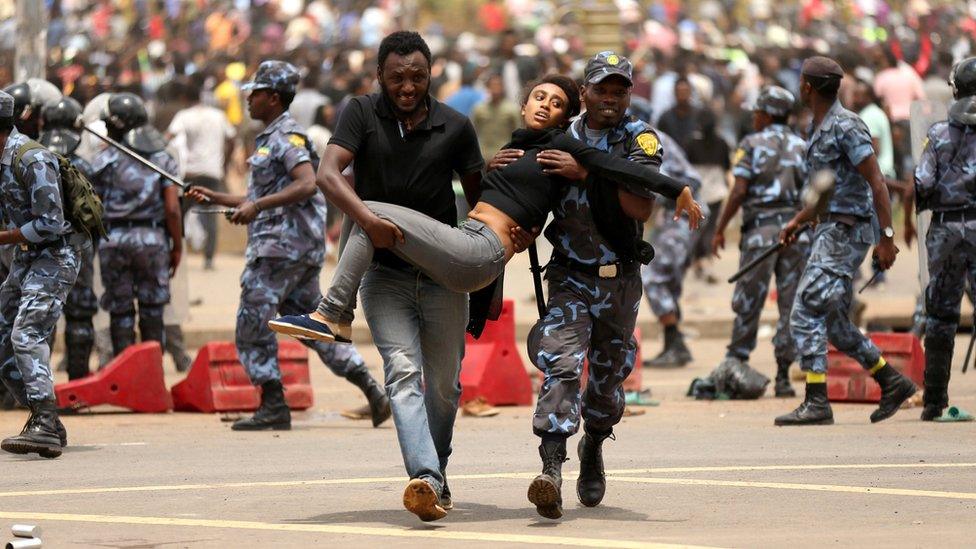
(923, 115)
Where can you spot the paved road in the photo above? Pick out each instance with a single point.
(686, 473)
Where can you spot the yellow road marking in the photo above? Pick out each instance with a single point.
(795, 486)
(475, 476)
(341, 530)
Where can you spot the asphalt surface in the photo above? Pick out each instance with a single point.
(685, 473)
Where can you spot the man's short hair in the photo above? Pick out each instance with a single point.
(781, 119)
(825, 86)
(285, 97)
(402, 43)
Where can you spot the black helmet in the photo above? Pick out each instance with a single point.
(61, 120)
(962, 79)
(124, 111)
(22, 97)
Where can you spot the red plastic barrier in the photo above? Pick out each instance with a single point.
(492, 367)
(133, 380)
(217, 381)
(848, 381)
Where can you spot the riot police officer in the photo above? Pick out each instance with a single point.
(30, 97)
(769, 170)
(60, 135)
(945, 183)
(285, 215)
(143, 219)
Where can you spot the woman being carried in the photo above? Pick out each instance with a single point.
(470, 257)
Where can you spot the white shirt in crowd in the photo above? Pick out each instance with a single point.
(205, 130)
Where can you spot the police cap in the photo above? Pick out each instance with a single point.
(819, 66)
(606, 64)
(279, 76)
(774, 100)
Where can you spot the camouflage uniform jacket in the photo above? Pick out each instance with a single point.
(129, 190)
(772, 163)
(945, 178)
(573, 231)
(295, 231)
(34, 205)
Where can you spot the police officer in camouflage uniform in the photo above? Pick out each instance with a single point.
(60, 135)
(839, 144)
(770, 171)
(143, 219)
(285, 215)
(945, 182)
(594, 288)
(663, 279)
(45, 266)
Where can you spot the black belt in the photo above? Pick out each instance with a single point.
(133, 223)
(612, 270)
(38, 246)
(846, 219)
(780, 219)
(968, 214)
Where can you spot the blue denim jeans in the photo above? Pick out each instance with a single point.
(418, 328)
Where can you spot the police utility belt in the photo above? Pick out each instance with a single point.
(969, 214)
(779, 219)
(612, 270)
(844, 219)
(59, 242)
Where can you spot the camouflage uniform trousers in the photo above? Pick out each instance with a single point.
(663, 278)
(587, 318)
(31, 301)
(269, 286)
(751, 290)
(135, 267)
(952, 263)
(824, 297)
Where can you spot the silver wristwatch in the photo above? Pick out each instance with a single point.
(888, 232)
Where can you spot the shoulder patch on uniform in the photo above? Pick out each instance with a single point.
(925, 144)
(263, 151)
(740, 153)
(296, 140)
(648, 143)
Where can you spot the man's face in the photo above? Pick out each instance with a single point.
(260, 102)
(760, 120)
(806, 90)
(682, 93)
(496, 88)
(606, 101)
(861, 98)
(405, 80)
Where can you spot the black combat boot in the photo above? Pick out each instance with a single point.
(814, 410)
(379, 403)
(79, 338)
(122, 331)
(545, 492)
(592, 482)
(784, 389)
(273, 414)
(938, 362)
(895, 389)
(40, 434)
(675, 353)
(151, 327)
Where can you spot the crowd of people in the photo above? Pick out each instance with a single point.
(692, 122)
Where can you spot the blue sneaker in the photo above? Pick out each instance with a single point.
(305, 327)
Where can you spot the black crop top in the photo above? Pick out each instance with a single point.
(523, 192)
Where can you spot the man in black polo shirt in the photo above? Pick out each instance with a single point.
(405, 147)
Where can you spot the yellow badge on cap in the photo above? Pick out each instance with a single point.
(740, 153)
(612, 60)
(648, 143)
(296, 140)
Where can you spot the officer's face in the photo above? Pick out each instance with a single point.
(545, 107)
(805, 91)
(259, 103)
(760, 120)
(606, 101)
(405, 80)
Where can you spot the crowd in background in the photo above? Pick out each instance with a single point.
(697, 64)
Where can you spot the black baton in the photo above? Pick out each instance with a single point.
(138, 157)
(763, 256)
(537, 279)
(972, 342)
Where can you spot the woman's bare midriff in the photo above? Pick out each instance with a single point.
(498, 222)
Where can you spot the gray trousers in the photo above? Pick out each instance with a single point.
(460, 259)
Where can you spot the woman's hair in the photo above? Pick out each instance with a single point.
(565, 83)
